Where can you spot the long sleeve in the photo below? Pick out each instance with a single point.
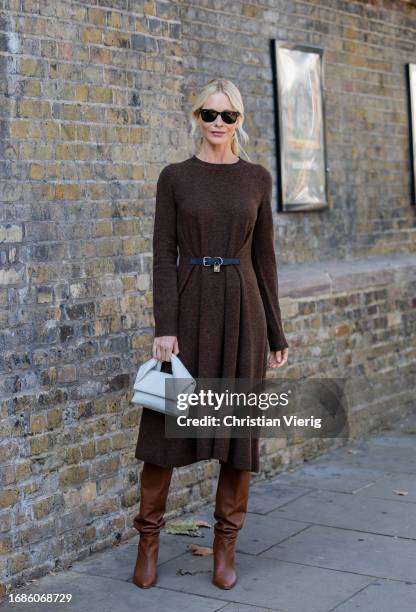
(264, 263)
(165, 253)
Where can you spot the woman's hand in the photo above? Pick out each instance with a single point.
(278, 358)
(163, 346)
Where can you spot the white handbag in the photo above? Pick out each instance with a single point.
(152, 389)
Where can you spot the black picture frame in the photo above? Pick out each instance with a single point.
(298, 79)
(411, 99)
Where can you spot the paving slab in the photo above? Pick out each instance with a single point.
(266, 496)
(119, 562)
(355, 512)
(334, 476)
(386, 456)
(389, 487)
(97, 594)
(259, 532)
(352, 551)
(382, 596)
(265, 582)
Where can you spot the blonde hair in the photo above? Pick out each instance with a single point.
(229, 89)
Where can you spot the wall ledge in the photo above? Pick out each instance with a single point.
(335, 276)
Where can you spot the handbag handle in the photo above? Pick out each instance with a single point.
(160, 361)
(178, 368)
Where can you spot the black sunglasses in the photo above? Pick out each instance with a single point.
(208, 115)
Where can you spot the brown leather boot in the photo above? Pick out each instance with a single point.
(230, 511)
(154, 489)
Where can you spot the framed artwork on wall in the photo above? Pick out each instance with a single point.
(411, 84)
(300, 126)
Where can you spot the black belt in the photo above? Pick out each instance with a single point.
(215, 261)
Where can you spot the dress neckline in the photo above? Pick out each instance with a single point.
(205, 163)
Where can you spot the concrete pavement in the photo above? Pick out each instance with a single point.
(336, 534)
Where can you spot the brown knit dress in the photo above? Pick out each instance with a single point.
(223, 320)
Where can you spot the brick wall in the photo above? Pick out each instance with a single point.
(94, 101)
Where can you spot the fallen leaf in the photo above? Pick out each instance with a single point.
(186, 527)
(203, 551)
(202, 523)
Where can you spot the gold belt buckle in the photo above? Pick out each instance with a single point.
(218, 265)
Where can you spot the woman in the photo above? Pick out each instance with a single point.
(218, 315)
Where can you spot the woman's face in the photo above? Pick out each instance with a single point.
(217, 132)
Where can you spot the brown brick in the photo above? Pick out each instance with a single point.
(73, 475)
(8, 497)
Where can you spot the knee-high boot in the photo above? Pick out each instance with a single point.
(230, 511)
(154, 489)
